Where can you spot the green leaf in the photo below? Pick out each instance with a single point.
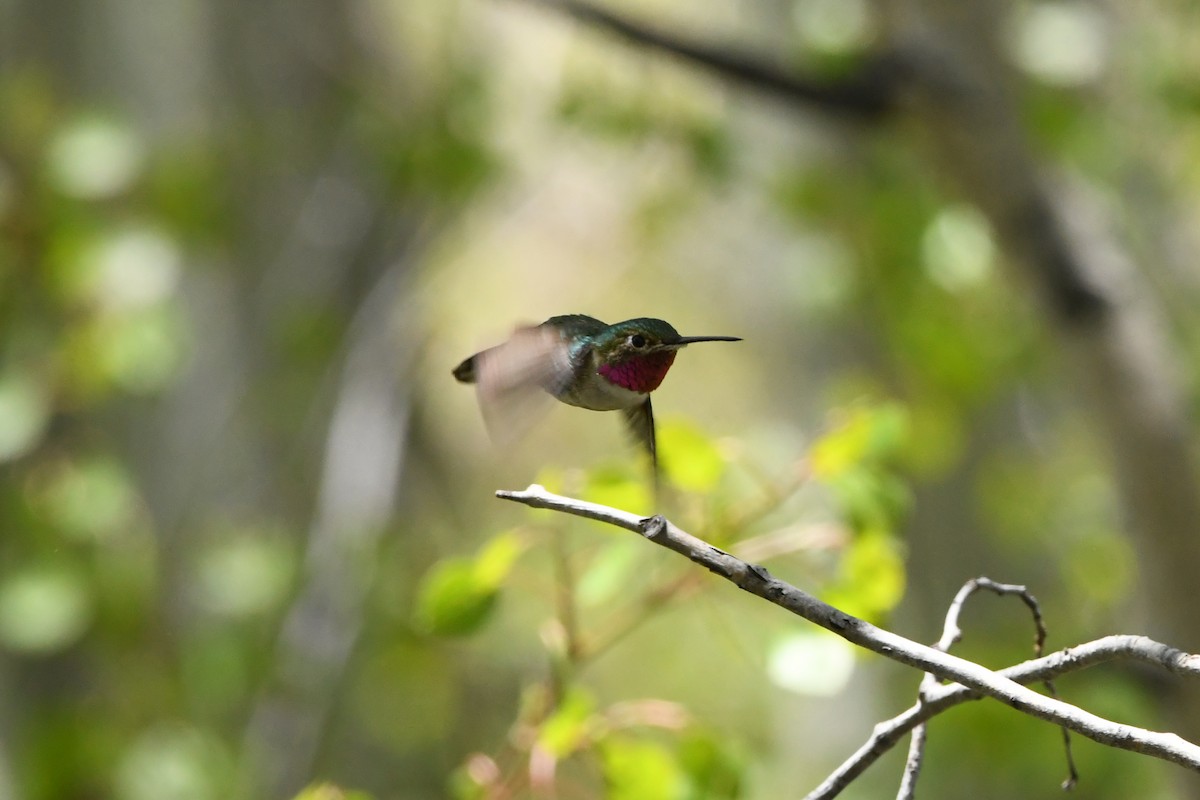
(639, 769)
(495, 561)
(327, 791)
(570, 725)
(872, 576)
(842, 448)
(619, 487)
(607, 572)
(858, 495)
(452, 600)
(463, 786)
(691, 460)
(458, 595)
(714, 768)
(870, 498)
(889, 432)
(865, 434)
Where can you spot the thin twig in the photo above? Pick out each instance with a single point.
(1039, 645)
(913, 762)
(975, 678)
(641, 611)
(951, 635)
(1109, 648)
(564, 592)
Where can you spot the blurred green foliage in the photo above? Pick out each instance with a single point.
(715, 488)
(196, 215)
(459, 594)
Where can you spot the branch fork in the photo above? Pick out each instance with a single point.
(966, 680)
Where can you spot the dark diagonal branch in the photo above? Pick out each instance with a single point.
(867, 93)
(975, 678)
(1028, 219)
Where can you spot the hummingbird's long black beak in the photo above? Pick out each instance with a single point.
(693, 339)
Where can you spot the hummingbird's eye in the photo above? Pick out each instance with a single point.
(637, 340)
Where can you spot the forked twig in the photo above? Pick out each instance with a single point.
(951, 635)
(975, 681)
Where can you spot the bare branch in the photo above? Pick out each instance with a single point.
(1109, 648)
(952, 631)
(866, 94)
(952, 634)
(913, 762)
(975, 678)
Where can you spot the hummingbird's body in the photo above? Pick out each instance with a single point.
(582, 362)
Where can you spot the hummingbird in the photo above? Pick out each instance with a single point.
(582, 362)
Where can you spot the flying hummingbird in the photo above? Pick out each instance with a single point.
(582, 362)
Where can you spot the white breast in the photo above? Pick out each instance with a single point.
(600, 395)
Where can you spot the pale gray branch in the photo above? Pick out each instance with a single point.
(1098, 651)
(913, 762)
(952, 634)
(1004, 686)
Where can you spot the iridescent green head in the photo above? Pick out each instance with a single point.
(637, 353)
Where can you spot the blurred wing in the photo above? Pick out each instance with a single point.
(515, 381)
(640, 420)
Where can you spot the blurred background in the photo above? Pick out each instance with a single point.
(248, 542)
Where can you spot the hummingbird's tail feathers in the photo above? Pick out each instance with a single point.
(465, 372)
(640, 421)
